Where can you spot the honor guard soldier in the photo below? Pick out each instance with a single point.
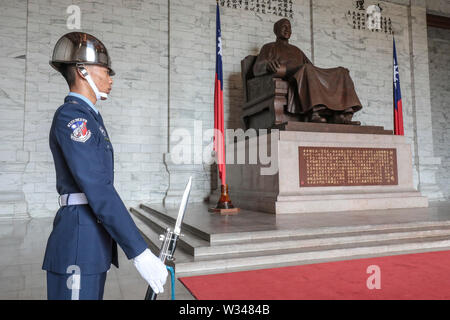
(92, 218)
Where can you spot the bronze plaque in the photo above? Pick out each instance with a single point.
(334, 166)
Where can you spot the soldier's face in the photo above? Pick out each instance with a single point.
(101, 77)
(284, 31)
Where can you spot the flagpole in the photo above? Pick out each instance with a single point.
(393, 83)
(224, 205)
(398, 108)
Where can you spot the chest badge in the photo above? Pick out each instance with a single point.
(80, 132)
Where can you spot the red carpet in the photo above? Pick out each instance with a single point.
(412, 276)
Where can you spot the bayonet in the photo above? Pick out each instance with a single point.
(169, 238)
(182, 209)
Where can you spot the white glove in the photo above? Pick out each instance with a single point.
(152, 270)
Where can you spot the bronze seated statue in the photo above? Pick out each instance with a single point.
(281, 84)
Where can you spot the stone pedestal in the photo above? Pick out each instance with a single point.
(178, 176)
(251, 187)
(13, 205)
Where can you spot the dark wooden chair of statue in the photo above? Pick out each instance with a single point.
(265, 98)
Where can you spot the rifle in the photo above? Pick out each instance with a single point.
(170, 238)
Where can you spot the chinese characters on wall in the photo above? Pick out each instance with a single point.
(369, 18)
(281, 8)
(330, 166)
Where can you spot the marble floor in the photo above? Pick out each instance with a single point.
(22, 247)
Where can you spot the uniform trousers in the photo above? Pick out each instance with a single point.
(60, 287)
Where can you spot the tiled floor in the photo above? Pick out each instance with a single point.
(22, 247)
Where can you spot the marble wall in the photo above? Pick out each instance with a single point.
(439, 55)
(192, 70)
(13, 158)
(164, 55)
(439, 7)
(135, 33)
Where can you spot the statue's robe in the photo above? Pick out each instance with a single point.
(309, 86)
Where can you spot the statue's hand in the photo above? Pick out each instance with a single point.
(273, 66)
(277, 68)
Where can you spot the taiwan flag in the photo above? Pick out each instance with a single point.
(219, 143)
(398, 113)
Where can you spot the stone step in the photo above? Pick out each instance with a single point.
(270, 247)
(271, 235)
(201, 248)
(186, 227)
(201, 253)
(151, 235)
(190, 268)
(188, 241)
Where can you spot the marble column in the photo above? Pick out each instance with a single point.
(425, 162)
(189, 99)
(13, 160)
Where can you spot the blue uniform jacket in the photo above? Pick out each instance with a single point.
(87, 235)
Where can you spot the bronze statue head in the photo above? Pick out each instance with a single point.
(282, 29)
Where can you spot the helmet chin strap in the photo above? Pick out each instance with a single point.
(99, 95)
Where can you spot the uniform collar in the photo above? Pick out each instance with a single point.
(88, 102)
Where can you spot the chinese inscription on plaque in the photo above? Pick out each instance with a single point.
(331, 166)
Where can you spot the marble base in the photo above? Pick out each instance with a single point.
(13, 205)
(281, 192)
(178, 176)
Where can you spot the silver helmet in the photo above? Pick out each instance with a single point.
(80, 47)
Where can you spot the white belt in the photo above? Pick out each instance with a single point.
(72, 199)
